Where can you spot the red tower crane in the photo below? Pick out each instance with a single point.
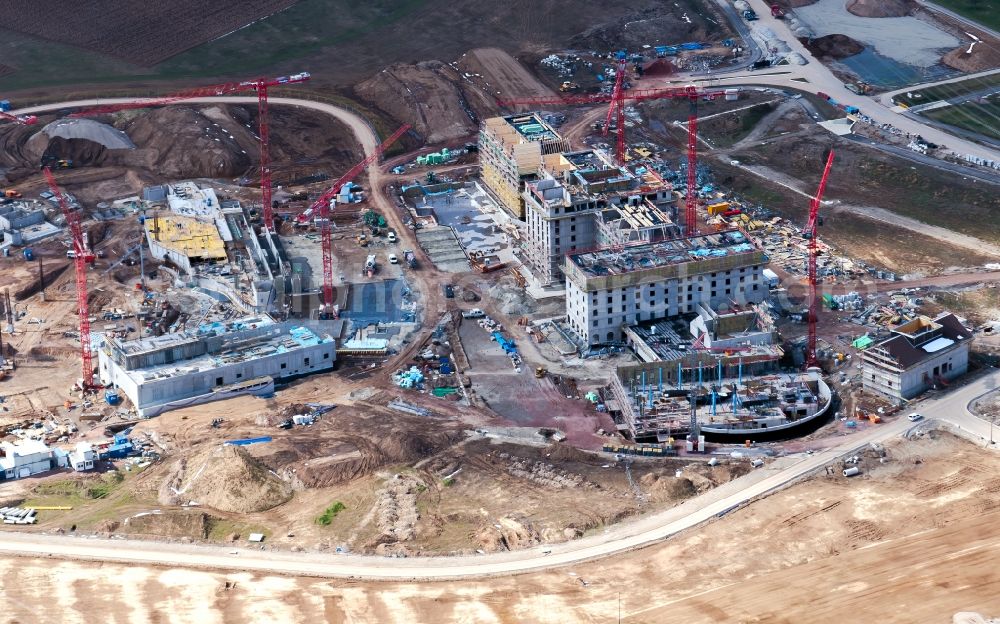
(260, 85)
(617, 99)
(81, 256)
(811, 359)
(27, 120)
(322, 209)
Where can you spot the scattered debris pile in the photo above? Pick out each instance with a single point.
(397, 513)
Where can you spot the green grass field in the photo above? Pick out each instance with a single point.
(985, 12)
(947, 91)
(983, 118)
(300, 32)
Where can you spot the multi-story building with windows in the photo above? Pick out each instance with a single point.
(581, 201)
(919, 355)
(610, 289)
(511, 150)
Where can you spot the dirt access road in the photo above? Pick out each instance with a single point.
(817, 77)
(427, 278)
(949, 408)
(910, 541)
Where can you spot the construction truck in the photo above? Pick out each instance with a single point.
(540, 372)
(411, 258)
(370, 266)
(777, 12)
(363, 239)
(13, 194)
(568, 86)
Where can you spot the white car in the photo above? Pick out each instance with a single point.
(474, 313)
(914, 417)
(393, 259)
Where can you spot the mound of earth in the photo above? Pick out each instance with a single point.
(89, 129)
(181, 142)
(226, 478)
(880, 8)
(343, 446)
(430, 95)
(984, 55)
(834, 47)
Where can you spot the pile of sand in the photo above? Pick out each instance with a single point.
(880, 8)
(226, 478)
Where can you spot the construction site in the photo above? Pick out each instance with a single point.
(485, 310)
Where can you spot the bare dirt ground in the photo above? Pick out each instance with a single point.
(911, 540)
(500, 75)
(178, 142)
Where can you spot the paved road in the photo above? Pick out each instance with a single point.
(940, 9)
(888, 95)
(817, 77)
(949, 408)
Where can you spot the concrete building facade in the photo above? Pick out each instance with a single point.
(212, 362)
(510, 153)
(609, 289)
(920, 354)
(582, 201)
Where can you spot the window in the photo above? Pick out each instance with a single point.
(307, 362)
(239, 375)
(218, 381)
(284, 366)
(326, 356)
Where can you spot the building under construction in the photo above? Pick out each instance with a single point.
(511, 150)
(581, 201)
(610, 289)
(213, 244)
(213, 362)
(655, 403)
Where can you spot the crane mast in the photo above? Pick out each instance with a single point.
(811, 359)
(81, 256)
(616, 100)
(258, 85)
(321, 208)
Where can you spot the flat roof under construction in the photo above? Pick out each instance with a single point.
(254, 347)
(605, 262)
(187, 236)
(531, 127)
